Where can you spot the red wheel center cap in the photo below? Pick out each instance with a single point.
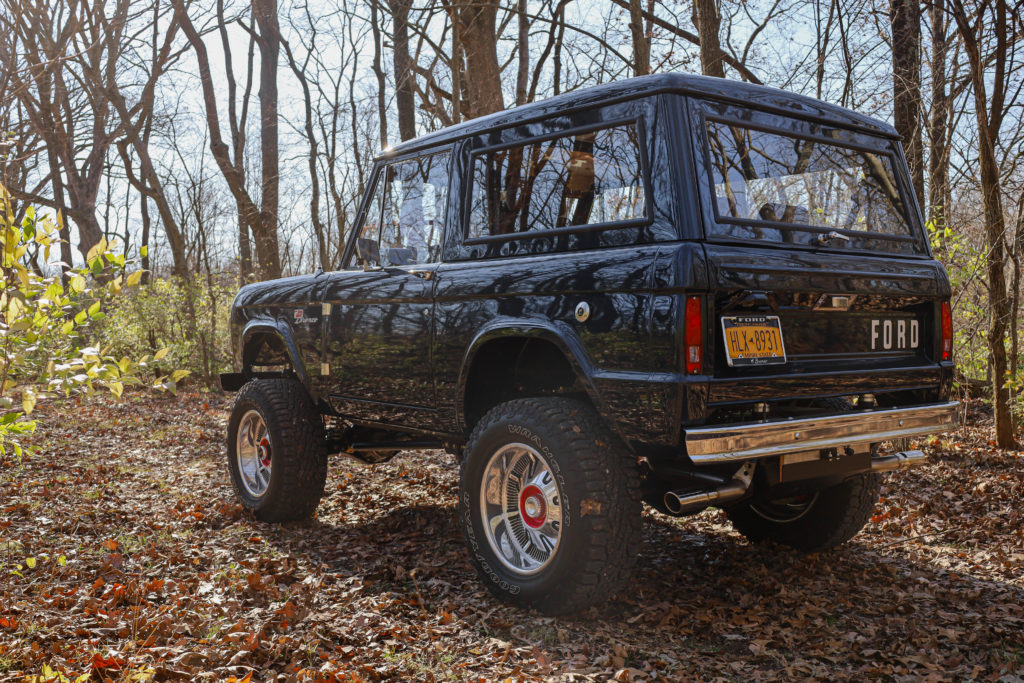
(265, 451)
(532, 507)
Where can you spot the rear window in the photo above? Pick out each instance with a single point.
(774, 186)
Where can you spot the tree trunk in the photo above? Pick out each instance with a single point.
(523, 53)
(233, 175)
(709, 25)
(405, 100)
(905, 20)
(999, 310)
(319, 230)
(457, 61)
(989, 121)
(641, 48)
(478, 23)
(238, 124)
(63, 231)
(938, 136)
(382, 83)
(265, 233)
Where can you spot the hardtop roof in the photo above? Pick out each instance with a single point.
(760, 97)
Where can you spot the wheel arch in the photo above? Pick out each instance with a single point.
(513, 351)
(270, 343)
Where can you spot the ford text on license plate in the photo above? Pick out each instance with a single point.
(753, 340)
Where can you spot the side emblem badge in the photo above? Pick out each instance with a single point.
(301, 318)
(582, 311)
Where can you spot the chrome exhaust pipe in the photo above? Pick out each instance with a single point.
(682, 502)
(898, 461)
(679, 502)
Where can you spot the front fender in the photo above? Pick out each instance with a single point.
(282, 332)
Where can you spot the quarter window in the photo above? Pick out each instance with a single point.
(406, 216)
(585, 179)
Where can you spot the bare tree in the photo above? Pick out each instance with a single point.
(938, 120)
(405, 104)
(261, 220)
(478, 39)
(50, 50)
(268, 39)
(998, 21)
(714, 20)
(709, 25)
(905, 20)
(300, 71)
(237, 124)
(641, 45)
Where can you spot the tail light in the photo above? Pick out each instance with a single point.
(947, 331)
(693, 335)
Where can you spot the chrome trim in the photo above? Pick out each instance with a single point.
(898, 461)
(683, 502)
(521, 508)
(725, 443)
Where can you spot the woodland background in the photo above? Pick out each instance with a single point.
(216, 143)
(156, 154)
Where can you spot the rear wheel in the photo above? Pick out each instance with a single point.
(276, 450)
(810, 522)
(549, 505)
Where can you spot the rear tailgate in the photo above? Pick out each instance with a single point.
(849, 323)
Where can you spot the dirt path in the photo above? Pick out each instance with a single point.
(146, 569)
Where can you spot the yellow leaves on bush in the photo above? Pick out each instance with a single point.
(28, 400)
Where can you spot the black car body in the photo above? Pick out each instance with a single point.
(607, 245)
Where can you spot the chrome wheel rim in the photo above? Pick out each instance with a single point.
(785, 510)
(252, 451)
(521, 508)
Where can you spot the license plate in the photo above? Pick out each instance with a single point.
(753, 340)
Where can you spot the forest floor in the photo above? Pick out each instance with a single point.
(124, 554)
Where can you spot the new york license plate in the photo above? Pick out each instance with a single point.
(753, 340)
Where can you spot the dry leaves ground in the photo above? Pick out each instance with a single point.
(144, 568)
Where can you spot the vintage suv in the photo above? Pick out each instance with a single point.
(676, 289)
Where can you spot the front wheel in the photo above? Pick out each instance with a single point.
(549, 505)
(276, 450)
(813, 521)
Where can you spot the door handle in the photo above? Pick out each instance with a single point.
(425, 274)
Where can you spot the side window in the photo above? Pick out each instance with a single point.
(585, 179)
(368, 238)
(405, 220)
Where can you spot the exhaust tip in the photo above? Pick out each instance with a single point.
(898, 461)
(673, 503)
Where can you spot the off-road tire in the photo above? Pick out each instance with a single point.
(600, 499)
(835, 516)
(298, 449)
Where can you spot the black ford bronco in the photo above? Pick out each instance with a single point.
(676, 289)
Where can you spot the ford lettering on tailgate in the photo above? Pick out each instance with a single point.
(895, 335)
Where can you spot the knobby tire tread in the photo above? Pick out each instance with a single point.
(606, 564)
(299, 458)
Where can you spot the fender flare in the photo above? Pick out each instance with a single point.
(283, 332)
(558, 333)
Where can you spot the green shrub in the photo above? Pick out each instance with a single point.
(188, 318)
(46, 324)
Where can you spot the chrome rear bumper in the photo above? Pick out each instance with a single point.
(726, 443)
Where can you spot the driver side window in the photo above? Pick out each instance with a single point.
(405, 219)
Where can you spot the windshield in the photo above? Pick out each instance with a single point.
(776, 181)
